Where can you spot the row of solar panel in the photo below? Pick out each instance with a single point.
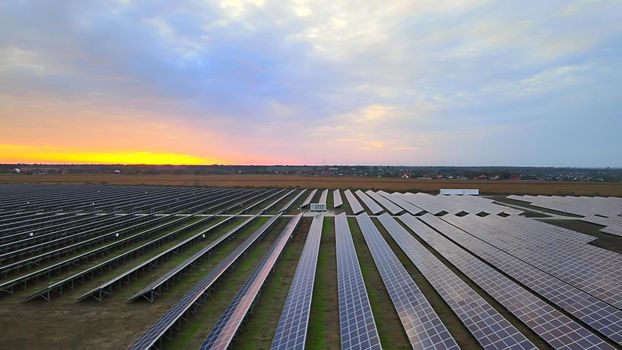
(421, 323)
(107, 198)
(71, 242)
(478, 315)
(46, 222)
(149, 226)
(165, 324)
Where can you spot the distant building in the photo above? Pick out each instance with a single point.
(460, 191)
(317, 206)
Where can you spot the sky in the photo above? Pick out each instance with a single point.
(404, 82)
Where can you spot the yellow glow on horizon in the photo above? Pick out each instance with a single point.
(33, 154)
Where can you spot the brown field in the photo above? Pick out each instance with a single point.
(489, 187)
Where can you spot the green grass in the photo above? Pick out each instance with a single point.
(258, 331)
(329, 200)
(390, 330)
(323, 330)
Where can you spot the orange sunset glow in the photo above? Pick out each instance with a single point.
(30, 154)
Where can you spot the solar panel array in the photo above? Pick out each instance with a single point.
(423, 327)
(373, 207)
(152, 290)
(455, 204)
(490, 329)
(592, 269)
(594, 312)
(493, 272)
(100, 291)
(605, 211)
(57, 287)
(323, 197)
(585, 206)
(337, 200)
(557, 329)
(309, 198)
(105, 198)
(289, 203)
(354, 203)
(222, 334)
(170, 318)
(291, 330)
(356, 321)
(390, 206)
(396, 198)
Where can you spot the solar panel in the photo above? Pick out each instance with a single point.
(488, 327)
(547, 322)
(57, 287)
(585, 206)
(354, 203)
(409, 207)
(8, 286)
(291, 331)
(166, 322)
(291, 201)
(373, 207)
(587, 267)
(308, 199)
(151, 291)
(390, 206)
(100, 291)
(356, 320)
(585, 307)
(222, 334)
(423, 327)
(337, 200)
(323, 197)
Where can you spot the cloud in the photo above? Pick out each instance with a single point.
(267, 81)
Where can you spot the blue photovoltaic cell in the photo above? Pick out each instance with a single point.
(390, 206)
(587, 308)
(371, 204)
(337, 201)
(552, 326)
(222, 334)
(179, 309)
(354, 203)
(488, 327)
(291, 330)
(395, 198)
(422, 325)
(307, 200)
(323, 197)
(356, 320)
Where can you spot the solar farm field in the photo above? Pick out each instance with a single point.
(341, 182)
(104, 266)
